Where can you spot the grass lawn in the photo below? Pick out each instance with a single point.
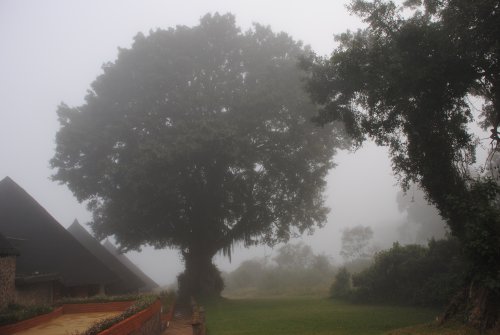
(307, 316)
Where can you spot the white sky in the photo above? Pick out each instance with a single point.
(52, 50)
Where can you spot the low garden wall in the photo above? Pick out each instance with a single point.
(146, 322)
(97, 307)
(145, 319)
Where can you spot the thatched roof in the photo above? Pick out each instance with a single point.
(129, 281)
(150, 283)
(6, 248)
(44, 245)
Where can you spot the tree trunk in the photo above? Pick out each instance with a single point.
(201, 278)
(476, 305)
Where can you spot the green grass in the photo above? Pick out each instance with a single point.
(308, 316)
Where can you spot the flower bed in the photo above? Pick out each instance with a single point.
(135, 322)
(130, 320)
(142, 315)
(64, 309)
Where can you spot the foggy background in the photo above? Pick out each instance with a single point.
(52, 50)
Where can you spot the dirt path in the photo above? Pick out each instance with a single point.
(67, 324)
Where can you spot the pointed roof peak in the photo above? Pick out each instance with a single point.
(22, 217)
(7, 179)
(129, 281)
(8, 182)
(76, 225)
(9, 187)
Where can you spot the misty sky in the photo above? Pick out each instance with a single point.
(53, 50)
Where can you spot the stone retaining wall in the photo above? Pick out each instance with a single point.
(7, 280)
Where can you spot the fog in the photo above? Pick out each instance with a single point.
(53, 50)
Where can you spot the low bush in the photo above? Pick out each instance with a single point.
(412, 274)
(341, 287)
(15, 313)
(99, 299)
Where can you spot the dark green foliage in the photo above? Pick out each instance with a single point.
(358, 264)
(15, 313)
(341, 287)
(405, 81)
(198, 138)
(413, 274)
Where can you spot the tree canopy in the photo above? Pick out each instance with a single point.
(406, 81)
(197, 138)
(355, 242)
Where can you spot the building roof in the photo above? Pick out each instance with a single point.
(129, 280)
(44, 245)
(6, 248)
(150, 283)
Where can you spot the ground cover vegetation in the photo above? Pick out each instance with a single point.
(98, 299)
(306, 315)
(406, 81)
(196, 139)
(14, 313)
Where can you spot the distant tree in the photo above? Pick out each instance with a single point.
(197, 139)
(295, 269)
(405, 81)
(355, 242)
(297, 256)
(321, 264)
(248, 274)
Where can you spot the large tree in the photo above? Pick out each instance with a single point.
(198, 138)
(406, 81)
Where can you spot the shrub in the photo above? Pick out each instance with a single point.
(341, 287)
(15, 313)
(413, 274)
